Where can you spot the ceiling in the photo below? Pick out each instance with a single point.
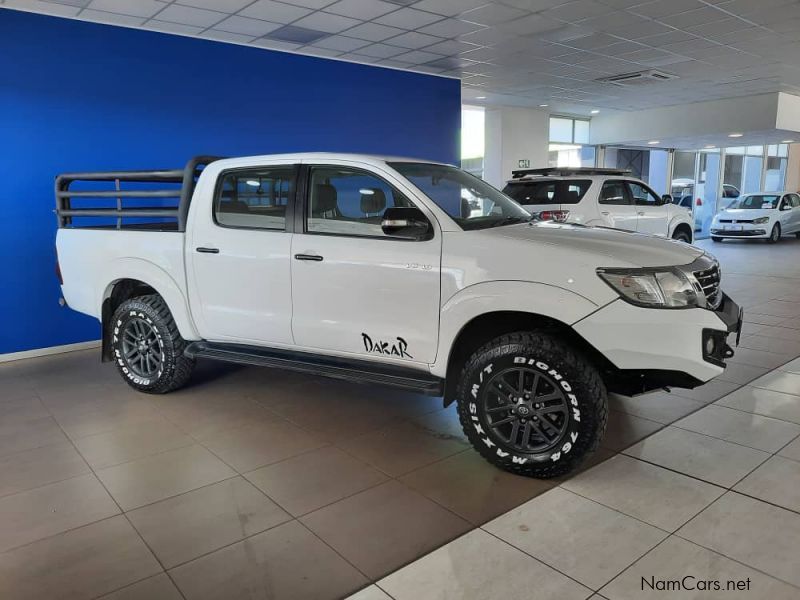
(510, 52)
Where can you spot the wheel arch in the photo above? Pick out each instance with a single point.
(139, 278)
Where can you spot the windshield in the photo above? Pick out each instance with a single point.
(471, 202)
(756, 201)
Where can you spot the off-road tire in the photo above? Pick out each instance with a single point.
(681, 236)
(716, 239)
(775, 234)
(175, 368)
(563, 368)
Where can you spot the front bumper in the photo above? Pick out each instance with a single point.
(652, 348)
(746, 231)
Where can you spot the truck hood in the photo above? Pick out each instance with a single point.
(616, 246)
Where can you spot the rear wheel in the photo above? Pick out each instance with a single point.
(530, 404)
(775, 234)
(147, 347)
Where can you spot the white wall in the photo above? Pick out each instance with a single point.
(514, 134)
(715, 117)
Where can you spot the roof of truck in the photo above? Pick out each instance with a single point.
(321, 156)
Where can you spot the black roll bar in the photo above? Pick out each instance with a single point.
(186, 177)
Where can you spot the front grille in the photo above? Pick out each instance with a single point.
(709, 280)
(735, 220)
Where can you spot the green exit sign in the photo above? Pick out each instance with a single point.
(524, 163)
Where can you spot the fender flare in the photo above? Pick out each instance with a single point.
(469, 303)
(680, 220)
(161, 281)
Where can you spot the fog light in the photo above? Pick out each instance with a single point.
(711, 346)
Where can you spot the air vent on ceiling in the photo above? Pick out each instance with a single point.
(638, 78)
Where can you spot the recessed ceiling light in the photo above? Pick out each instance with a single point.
(594, 111)
(654, 142)
(480, 97)
(710, 147)
(543, 106)
(735, 134)
(787, 141)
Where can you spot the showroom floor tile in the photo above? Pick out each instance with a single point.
(235, 485)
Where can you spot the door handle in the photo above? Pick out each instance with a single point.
(641, 214)
(203, 250)
(314, 257)
(604, 213)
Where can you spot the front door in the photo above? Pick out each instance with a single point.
(238, 257)
(615, 205)
(356, 290)
(652, 213)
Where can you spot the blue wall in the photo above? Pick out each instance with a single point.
(78, 96)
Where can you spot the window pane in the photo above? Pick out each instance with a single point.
(613, 192)
(581, 132)
(642, 196)
(349, 202)
(255, 198)
(548, 192)
(560, 130)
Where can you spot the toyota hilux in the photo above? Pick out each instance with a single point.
(390, 271)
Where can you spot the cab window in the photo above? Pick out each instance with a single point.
(254, 198)
(614, 192)
(347, 201)
(643, 196)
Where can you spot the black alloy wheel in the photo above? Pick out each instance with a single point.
(525, 409)
(142, 349)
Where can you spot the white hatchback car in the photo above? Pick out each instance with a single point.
(762, 215)
(599, 197)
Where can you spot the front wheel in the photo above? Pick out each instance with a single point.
(775, 234)
(147, 347)
(532, 405)
(716, 239)
(682, 236)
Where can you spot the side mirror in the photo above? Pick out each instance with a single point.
(406, 222)
(666, 199)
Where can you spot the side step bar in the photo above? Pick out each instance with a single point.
(359, 371)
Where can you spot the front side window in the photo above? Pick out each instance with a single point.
(795, 200)
(613, 192)
(643, 196)
(347, 201)
(548, 192)
(255, 198)
(469, 201)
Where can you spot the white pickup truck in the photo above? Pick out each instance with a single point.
(396, 272)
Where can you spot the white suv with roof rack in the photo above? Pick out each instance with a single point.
(599, 197)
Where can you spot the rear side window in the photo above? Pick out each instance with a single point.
(548, 192)
(255, 198)
(613, 192)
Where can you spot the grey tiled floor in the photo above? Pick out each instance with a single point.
(256, 483)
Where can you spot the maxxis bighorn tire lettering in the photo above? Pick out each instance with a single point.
(175, 368)
(566, 368)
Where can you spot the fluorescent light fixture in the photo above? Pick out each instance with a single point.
(654, 142)
(543, 106)
(787, 141)
(735, 135)
(594, 111)
(480, 97)
(710, 147)
(366, 192)
(253, 182)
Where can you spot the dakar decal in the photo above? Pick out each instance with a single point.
(397, 348)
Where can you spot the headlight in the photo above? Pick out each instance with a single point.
(652, 288)
(761, 220)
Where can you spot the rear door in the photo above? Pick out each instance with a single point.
(238, 263)
(615, 205)
(795, 218)
(355, 290)
(536, 196)
(652, 214)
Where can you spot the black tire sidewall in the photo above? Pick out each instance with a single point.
(772, 237)
(136, 308)
(582, 432)
(682, 236)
